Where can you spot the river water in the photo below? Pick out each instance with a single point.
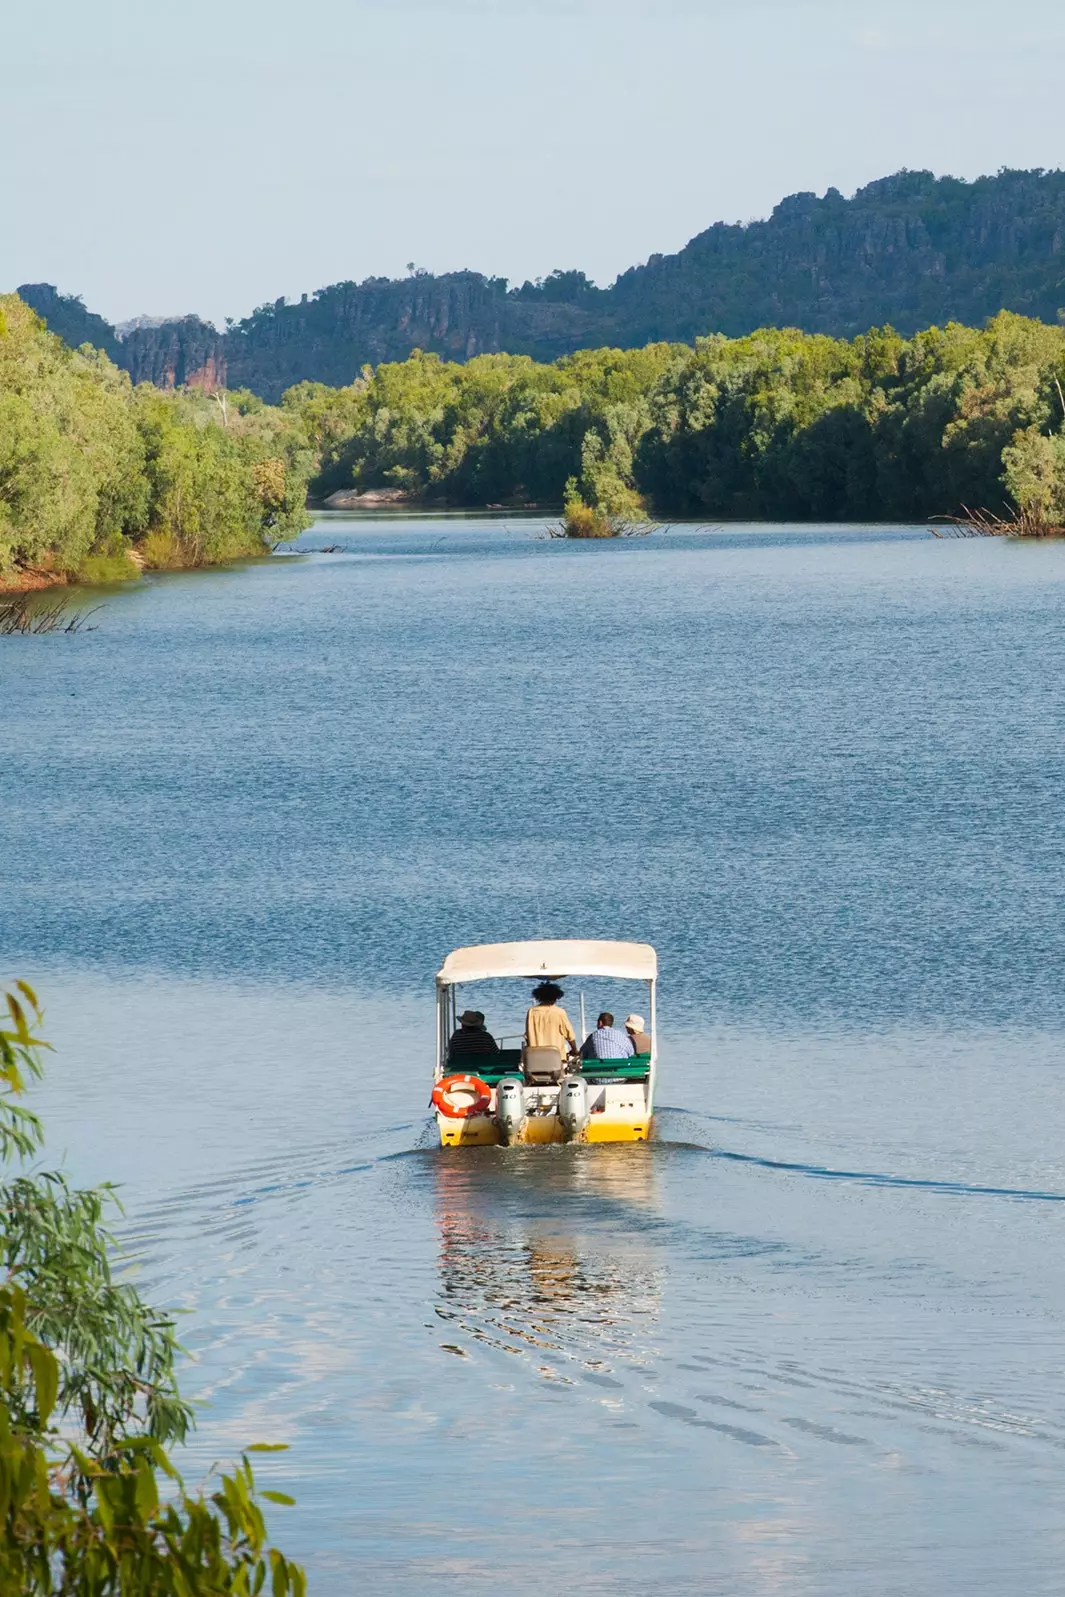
(809, 1341)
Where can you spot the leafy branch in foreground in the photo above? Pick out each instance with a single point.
(120, 1537)
(117, 1353)
(20, 1047)
(117, 1369)
(88, 1397)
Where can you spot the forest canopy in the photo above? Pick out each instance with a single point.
(778, 424)
(94, 470)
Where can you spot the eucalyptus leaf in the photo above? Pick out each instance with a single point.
(88, 1400)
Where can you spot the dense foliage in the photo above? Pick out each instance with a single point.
(88, 1401)
(92, 468)
(778, 424)
(500, 427)
(911, 249)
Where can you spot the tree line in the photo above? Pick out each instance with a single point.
(779, 424)
(94, 470)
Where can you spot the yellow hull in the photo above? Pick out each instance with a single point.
(479, 1131)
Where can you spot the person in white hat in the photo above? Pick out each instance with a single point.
(634, 1025)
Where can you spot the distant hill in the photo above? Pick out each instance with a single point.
(67, 316)
(911, 249)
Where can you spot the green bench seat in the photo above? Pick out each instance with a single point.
(508, 1063)
(636, 1068)
(493, 1067)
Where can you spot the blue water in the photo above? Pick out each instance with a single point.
(808, 1342)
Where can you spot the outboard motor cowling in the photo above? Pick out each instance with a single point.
(573, 1110)
(510, 1109)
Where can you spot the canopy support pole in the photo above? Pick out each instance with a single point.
(653, 1071)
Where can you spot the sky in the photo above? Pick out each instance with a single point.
(212, 155)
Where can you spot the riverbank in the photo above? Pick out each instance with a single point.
(107, 478)
(779, 425)
(25, 582)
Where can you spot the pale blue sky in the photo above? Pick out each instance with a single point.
(213, 154)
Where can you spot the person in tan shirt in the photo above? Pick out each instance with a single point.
(634, 1025)
(547, 1025)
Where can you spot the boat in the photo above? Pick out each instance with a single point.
(531, 1095)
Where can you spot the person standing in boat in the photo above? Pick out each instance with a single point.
(546, 1024)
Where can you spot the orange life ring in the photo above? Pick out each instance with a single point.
(477, 1104)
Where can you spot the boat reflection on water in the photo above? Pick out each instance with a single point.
(551, 1252)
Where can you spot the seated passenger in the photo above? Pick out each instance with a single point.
(641, 1043)
(471, 1041)
(547, 1024)
(607, 1041)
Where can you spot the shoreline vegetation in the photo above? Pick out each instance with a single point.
(101, 480)
(780, 425)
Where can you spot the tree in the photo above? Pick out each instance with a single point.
(1034, 475)
(91, 468)
(81, 1515)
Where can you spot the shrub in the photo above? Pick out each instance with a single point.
(88, 1401)
(585, 521)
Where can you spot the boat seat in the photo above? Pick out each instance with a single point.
(636, 1067)
(491, 1068)
(543, 1066)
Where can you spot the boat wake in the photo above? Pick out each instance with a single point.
(671, 1121)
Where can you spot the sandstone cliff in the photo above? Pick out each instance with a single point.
(910, 249)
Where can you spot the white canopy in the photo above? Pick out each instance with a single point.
(631, 961)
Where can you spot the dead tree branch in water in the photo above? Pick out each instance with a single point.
(22, 616)
(984, 524)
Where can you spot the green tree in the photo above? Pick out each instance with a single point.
(91, 467)
(88, 1400)
(1034, 475)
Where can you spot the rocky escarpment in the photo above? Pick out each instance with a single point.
(175, 354)
(911, 250)
(67, 316)
(329, 337)
(169, 354)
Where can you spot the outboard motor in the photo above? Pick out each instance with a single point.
(510, 1109)
(573, 1108)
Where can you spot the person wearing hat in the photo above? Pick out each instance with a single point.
(547, 1024)
(471, 1040)
(634, 1025)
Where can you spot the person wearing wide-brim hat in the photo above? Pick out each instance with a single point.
(470, 1041)
(546, 1024)
(634, 1025)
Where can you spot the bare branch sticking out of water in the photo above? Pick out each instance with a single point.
(607, 527)
(983, 524)
(23, 615)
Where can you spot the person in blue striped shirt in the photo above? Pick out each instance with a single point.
(607, 1041)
